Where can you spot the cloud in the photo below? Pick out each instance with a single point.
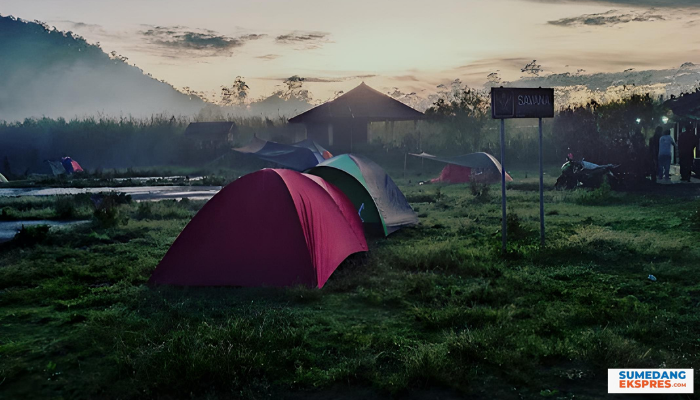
(341, 79)
(268, 57)
(633, 3)
(79, 25)
(325, 80)
(610, 18)
(478, 70)
(304, 40)
(93, 31)
(406, 78)
(682, 78)
(185, 42)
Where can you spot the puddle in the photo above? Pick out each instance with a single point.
(8, 229)
(138, 193)
(162, 178)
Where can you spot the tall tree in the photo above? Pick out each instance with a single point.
(466, 112)
(236, 94)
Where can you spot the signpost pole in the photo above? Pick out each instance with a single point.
(509, 103)
(504, 234)
(541, 190)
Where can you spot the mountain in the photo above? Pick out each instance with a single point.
(46, 72)
(275, 106)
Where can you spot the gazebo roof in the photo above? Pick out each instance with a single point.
(362, 103)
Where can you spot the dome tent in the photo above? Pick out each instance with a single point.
(379, 202)
(273, 227)
(474, 167)
(298, 156)
(71, 166)
(48, 167)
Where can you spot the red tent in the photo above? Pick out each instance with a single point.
(273, 227)
(70, 165)
(457, 174)
(76, 166)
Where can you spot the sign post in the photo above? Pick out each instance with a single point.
(507, 103)
(541, 190)
(504, 225)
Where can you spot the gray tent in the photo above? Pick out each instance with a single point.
(478, 167)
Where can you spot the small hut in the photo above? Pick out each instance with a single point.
(211, 134)
(343, 123)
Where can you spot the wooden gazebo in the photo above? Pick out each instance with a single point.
(343, 123)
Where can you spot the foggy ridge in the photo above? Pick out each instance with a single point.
(46, 72)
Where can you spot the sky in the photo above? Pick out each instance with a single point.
(409, 44)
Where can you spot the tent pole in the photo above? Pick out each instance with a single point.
(415, 130)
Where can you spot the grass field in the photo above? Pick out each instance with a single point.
(432, 310)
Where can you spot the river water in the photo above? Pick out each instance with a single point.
(8, 229)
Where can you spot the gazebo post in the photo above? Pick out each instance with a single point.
(405, 157)
(393, 139)
(351, 132)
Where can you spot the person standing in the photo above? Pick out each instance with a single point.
(687, 143)
(666, 147)
(639, 159)
(654, 152)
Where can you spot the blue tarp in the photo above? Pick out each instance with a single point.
(298, 156)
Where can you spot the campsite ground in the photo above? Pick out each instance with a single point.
(432, 310)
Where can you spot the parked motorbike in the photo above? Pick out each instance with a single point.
(585, 174)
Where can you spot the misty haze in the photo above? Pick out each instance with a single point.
(349, 200)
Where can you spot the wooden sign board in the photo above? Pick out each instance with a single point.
(509, 103)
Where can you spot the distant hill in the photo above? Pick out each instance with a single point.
(46, 72)
(275, 106)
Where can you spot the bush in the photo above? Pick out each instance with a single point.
(213, 180)
(480, 191)
(600, 196)
(107, 213)
(144, 210)
(65, 207)
(31, 235)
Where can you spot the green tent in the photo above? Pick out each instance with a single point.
(380, 203)
(3, 179)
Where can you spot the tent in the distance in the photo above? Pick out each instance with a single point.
(274, 227)
(3, 179)
(298, 156)
(49, 168)
(71, 166)
(474, 167)
(379, 202)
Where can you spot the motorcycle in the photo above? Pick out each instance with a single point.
(585, 174)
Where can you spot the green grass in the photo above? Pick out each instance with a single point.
(431, 309)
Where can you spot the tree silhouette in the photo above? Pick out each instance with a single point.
(236, 94)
